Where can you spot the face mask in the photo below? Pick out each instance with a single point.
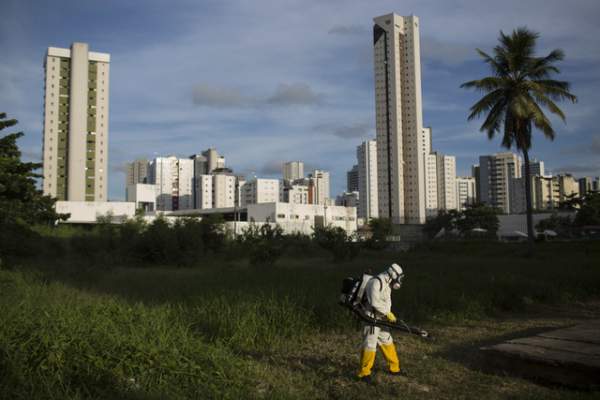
(397, 282)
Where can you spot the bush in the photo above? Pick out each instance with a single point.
(381, 228)
(264, 244)
(336, 241)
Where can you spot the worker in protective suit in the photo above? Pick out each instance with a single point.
(378, 294)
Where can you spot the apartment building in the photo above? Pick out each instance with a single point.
(496, 172)
(293, 170)
(465, 192)
(75, 136)
(259, 190)
(368, 205)
(399, 118)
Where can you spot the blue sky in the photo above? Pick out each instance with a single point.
(270, 81)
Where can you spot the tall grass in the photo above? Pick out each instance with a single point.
(73, 331)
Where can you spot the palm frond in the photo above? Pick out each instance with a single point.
(499, 68)
(485, 84)
(493, 121)
(539, 119)
(486, 103)
(544, 100)
(556, 90)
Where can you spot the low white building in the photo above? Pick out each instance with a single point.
(88, 212)
(143, 195)
(304, 217)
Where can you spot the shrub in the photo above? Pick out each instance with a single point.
(336, 241)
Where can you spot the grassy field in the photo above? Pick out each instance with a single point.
(224, 329)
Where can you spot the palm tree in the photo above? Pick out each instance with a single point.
(520, 87)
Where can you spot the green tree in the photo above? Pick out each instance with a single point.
(20, 201)
(556, 223)
(478, 216)
(521, 85)
(589, 213)
(335, 240)
(381, 228)
(446, 219)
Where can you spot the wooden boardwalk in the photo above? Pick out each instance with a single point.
(569, 356)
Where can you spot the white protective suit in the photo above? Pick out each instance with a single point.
(379, 305)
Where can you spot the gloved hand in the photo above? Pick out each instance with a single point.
(391, 317)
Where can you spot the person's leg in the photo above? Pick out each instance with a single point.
(369, 348)
(389, 350)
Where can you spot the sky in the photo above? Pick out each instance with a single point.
(271, 81)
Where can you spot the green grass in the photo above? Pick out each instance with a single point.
(228, 330)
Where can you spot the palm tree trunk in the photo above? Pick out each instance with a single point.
(530, 232)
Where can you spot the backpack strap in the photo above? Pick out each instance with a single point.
(380, 283)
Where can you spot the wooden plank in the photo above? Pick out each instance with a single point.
(554, 357)
(570, 356)
(560, 345)
(589, 333)
(541, 368)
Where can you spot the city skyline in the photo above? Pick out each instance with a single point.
(326, 98)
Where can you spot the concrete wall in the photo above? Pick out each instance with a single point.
(518, 222)
(86, 212)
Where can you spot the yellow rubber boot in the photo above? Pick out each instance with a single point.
(389, 352)
(366, 363)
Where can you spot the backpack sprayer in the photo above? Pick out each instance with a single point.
(352, 297)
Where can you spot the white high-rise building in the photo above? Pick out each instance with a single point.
(174, 182)
(293, 170)
(352, 179)
(185, 184)
(535, 168)
(430, 175)
(319, 187)
(495, 174)
(399, 119)
(446, 182)
(431, 185)
(75, 144)
(209, 161)
(465, 192)
(261, 190)
(296, 194)
(366, 154)
(137, 172)
(204, 192)
(224, 190)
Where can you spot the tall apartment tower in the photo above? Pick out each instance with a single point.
(174, 182)
(535, 168)
(399, 118)
(318, 187)
(496, 173)
(430, 175)
(465, 192)
(137, 172)
(293, 170)
(368, 206)
(446, 181)
(75, 143)
(352, 179)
